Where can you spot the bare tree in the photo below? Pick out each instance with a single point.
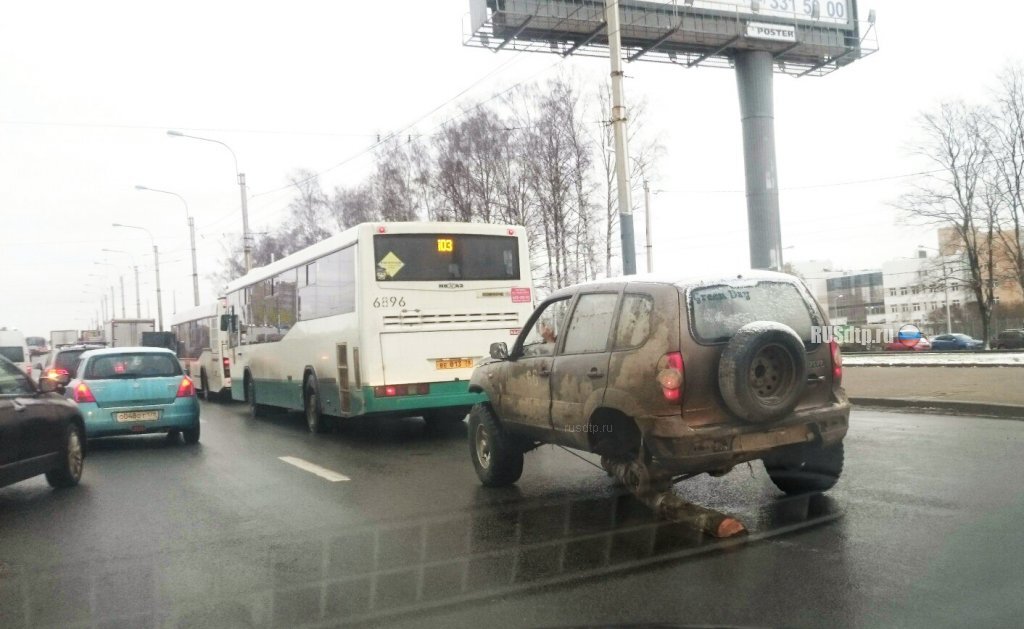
(1007, 128)
(957, 138)
(352, 205)
(396, 185)
(308, 213)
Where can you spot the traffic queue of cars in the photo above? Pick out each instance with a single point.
(89, 392)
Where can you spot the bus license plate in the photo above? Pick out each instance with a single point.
(137, 416)
(454, 363)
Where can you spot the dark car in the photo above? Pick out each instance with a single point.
(40, 431)
(1009, 339)
(64, 361)
(947, 342)
(668, 378)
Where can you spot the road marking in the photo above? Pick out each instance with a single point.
(313, 468)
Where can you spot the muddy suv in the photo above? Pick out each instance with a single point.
(667, 379)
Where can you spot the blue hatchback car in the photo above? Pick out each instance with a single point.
(134, 390)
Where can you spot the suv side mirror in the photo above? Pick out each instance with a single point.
(499, 351)
(51, 385)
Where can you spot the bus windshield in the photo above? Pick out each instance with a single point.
(439, 257)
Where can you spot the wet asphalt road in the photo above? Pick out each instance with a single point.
(923, 530)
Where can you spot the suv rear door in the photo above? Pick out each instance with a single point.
(580, 372)
(717, 311)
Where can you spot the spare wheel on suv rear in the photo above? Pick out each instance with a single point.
(763, 371)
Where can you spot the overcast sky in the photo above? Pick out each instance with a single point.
(87, 91)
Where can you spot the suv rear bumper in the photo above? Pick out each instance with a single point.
(721, 447)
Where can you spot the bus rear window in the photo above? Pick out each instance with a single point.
(14, 354)
(718, 312)
(441, 257)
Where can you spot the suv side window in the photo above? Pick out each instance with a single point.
(634, 321)
(546, 330)
(13, 381)
(591, 323)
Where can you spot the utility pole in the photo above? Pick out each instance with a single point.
(246, 236)
(159, 302)
(647, 220)
(113, 303)
(621, 138)
(138, 298)
(195, 271)
(124, 313)
(945, 290)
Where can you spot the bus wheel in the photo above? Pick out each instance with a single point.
(443, 417)
(204, 386)
(255, 410)
(313, 409)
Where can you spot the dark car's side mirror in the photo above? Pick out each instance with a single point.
(53, 385)
(499, 351)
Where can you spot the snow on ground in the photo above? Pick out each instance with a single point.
(935, 359)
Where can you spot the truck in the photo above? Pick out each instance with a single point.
(92, 337)
(166, 340)
(59, 338)
(127, 332)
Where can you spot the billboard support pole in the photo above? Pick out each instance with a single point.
(621, 139)
(754, 75)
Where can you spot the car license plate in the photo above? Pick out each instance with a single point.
(454, 363)
(137, 416)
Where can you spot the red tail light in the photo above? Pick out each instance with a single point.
(394, 390)
(83, 394)
(53, 374)
(671, 375)
(837, 363)
(186, 388)
(227, 367)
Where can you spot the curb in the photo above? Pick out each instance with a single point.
(1001, 411)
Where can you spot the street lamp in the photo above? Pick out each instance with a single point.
(156, 264)
(246, 240)
(945, 287)
(191, 235)
(135, 270)
(121, 279)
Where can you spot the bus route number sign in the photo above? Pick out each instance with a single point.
(445, 245)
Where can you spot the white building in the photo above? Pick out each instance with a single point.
(816, 273)
(916, 288)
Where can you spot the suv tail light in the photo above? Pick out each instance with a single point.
(227, 367)
(53, 374)
(83, 394)
(186, 388)
(837, 363)
(671, 375)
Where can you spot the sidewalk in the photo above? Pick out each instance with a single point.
(996, 391)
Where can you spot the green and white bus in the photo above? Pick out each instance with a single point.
(203, 348)
(382, 319)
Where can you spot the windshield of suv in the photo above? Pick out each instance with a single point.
(719, 311)
(116, 366)
(14, 354)
(68, 361)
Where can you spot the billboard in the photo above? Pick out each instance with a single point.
(804, 36)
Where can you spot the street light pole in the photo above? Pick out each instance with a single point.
(123, 312)
(135, 270)
(621, 139)
(191, 237)
(246, 236)
(647, 220)
(156, 264)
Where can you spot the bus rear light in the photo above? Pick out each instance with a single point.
(395, 390)
(227, 367)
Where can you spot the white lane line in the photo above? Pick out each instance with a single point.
(313, 468)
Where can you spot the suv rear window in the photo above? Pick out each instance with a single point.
(718, 312)
(15, 354)
(113, 366)
(68, 361)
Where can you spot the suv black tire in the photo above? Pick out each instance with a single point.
(72, 459)
(806, 468)
(497, 457)
(772, 355)
(204, 386)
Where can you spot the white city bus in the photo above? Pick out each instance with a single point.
(203, 340)
(382, 319)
